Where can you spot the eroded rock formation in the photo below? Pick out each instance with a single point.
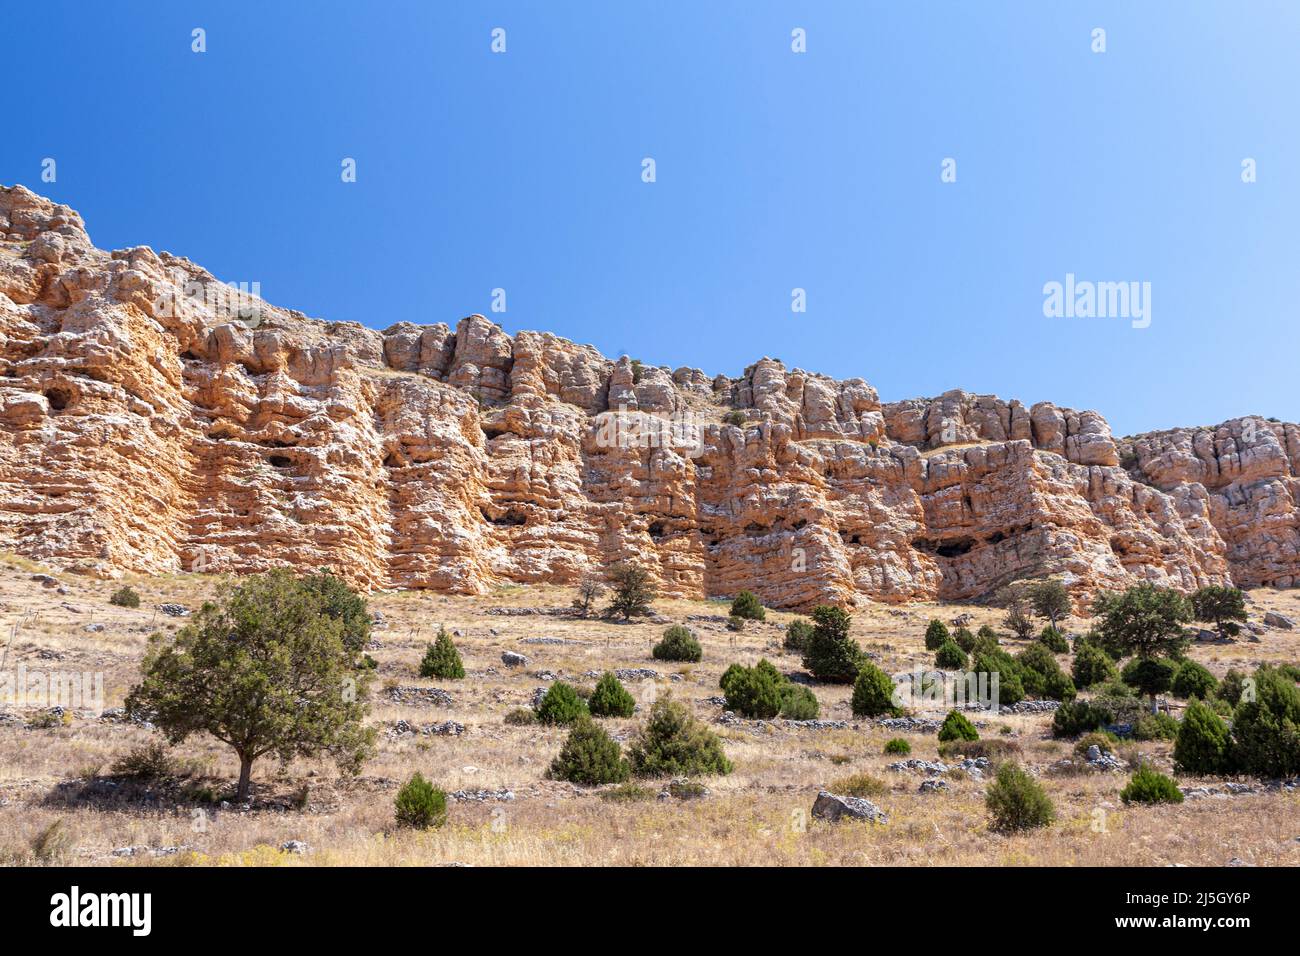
(152, 421)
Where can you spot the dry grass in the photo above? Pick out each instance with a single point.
(757, 815)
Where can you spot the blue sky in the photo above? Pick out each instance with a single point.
(774, 171)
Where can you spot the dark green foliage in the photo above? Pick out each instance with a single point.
(873, 693)
(986, 633)
(798, 703)
(610, 698)
(631, 589)
(1078, 717)
(1149, 785)
(264, 669)
(1221, 606)
(673, 743)
(1230, 688)
(561, 705)
(1051, 600)
(678, 644)
(964, 639)
(441, 659)
(1016, 801)
(949, 656)
(898, 745)
(125, 596)
(1149, 676)
(420, 805)
(1203, 744)
(1011, 689)
(1054, 640)
(935, 635)
(831, 655)
(1042, 676)
(1193, 680)
(956, 727)
(590, 756)
(747, 606)
(755, 692)
(1092, 666)
(732, 671)
(345, 605)
(797, 634)
(1144, 620)
(1155, 727)
(1266, 731)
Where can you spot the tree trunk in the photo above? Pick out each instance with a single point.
(245, 778)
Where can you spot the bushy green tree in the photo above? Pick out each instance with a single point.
(797, 634)
(561, 704)
(1149, 676)
(1266, 730)
(590, 756)
(632, 591)
(1221, 606)
(1149, 785)
(747, 606)
(1054, 640)
(420, 805)
(1016, 801)
(1011, 689)
(949, 656)
(1232, 686)
(1077, 717)
(956, 727)
(441, 659)
(610, 698)
(1145, 620)
(754, 692)
(1092, 666)
(832, 655)
(798, 703)
(125, 596)
(1042, 676)
(678, 644)
(964, 639)
(1203, 742)
(345, 605)
(673, 743)
(1193, 680)
(263, 669)
(935, 635)
(1051, 600)
(873, 693)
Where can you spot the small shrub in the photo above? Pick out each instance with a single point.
(149, 762)
(987, 637)
(1193, 680)
(754, 692)
(673, 743)
(936, 633)
(1011, 689)
(125, 596)
(949, 656)
(1096, 738)
(610, 698)
(1054, 640)
(1202, 744)
(1042, 675)
(1016, 801)
(994, 750)
(898, 745)
(735, 623)
(561, 705)
(629, 793)
(798, 703)
(735, 417)
(1092, 666)
(956, 727)
(860, 785)
(441, 659)
(797, 634)
(747, 606)
(590, 756)
(420, 805)
(1149, 785)
(873, 693)
(1231, 687)
(1077, 717)
(1155, 727)
(521, 716)
(678, 644)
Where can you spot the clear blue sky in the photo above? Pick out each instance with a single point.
(775, 170)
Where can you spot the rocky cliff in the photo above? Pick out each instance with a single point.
(152, 420)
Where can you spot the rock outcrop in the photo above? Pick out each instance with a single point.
(153, 419)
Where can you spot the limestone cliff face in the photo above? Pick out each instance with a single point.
(152, 421)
